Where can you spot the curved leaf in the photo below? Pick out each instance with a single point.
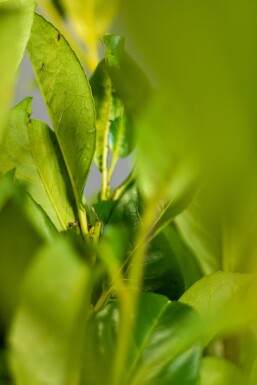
(46, 177)
(157, 321)
(224, 300)
(68, 97)
(47, 335)
(52, 171)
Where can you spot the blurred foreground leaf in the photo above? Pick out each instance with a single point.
(47, 337)
(215, 371)
(16, 18)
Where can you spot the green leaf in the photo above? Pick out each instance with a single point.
(114, 48)
(45, 175)
(126, 75)
(103, 93)
(113, 129)
(19, 243)
(216, 371)
(156, 321)
(68, 97)
(120, 137)
(127, 210)
(202, 232)
(46, 339)
(104, 209)
(16, 18)
(52, 171)
(223, 300)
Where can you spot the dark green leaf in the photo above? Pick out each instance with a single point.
(157, 321)
(47, 336)
(68, 97)
(103, 210)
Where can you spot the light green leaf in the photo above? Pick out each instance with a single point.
(225, 301)
(68, 97)
(16, 19)
(47, 336)
(216, 371)
(202, 231)
(46, 177)
(156, 322)
(52, 171)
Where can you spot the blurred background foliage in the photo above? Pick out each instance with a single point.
(183, 225)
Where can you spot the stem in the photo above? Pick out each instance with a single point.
(128, 308)
(83, 222)
(120, 190)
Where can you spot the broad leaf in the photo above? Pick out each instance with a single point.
(224, 300)
(16, 19)
(46, 339)
(68, 97)
(216, 371)
(156, 321)
(46, 177)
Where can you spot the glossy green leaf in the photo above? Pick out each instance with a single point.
(127, 210)
(216, 371)
(68, 97)
(19, 243)
(45, 175)
(224, 300)
(156, 321)
(16, 18)
(121, 137)
(103, 210)
(46, 339)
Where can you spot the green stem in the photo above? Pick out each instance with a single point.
(128, 309)
(120, 190)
